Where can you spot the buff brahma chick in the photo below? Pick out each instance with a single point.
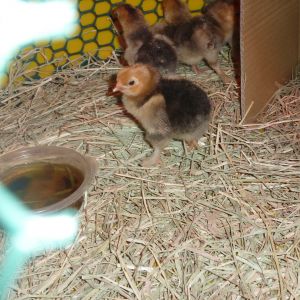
(167, 108)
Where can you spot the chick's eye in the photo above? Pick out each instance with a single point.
(131, 82)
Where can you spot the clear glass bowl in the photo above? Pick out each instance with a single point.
(52, 155)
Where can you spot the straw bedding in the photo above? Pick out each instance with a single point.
(221, 222)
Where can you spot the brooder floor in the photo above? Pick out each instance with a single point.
(221, 222)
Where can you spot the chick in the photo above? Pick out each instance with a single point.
(178, 12)
(224, 12)
(142, 45)
(195, 39)
(167, 108)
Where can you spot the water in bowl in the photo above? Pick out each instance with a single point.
(42, 184)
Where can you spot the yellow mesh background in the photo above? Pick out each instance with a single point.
(93, 36)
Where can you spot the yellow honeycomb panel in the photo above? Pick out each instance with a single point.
(58, 44)
(104, 37)
(116, 43)
(194, 13)
(27, 50)
(105, 52)
(87, 19)
(103, 22)
(29, 53)
(93, 35)
(85, 5)
(90, 48)
(88, 33)
(102, 8)
(3, 81)
(60, 58)
(151, 18)
(149, 5)
(159, 10)
(74, 46)
(76, 32)
(31, 69)
(46, 71)
(76, 60)
(42, 43)
(19, 80)
(44, 56)
(135, 2)
(195, 4)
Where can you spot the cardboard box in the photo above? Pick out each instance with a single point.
(269, 48)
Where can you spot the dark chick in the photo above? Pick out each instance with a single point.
(198, 38)
(142, 46)
(167, 108)
(224, 12)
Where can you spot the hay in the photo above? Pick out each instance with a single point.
(221, 222)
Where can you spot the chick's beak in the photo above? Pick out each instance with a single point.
(118, 88)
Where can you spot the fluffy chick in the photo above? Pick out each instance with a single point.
(167, 108)
(142, 46)
(198, 38)
(224, 12)
(178, 12)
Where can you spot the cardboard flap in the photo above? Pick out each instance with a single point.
(269, 50)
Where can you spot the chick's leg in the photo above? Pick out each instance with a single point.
(158, 142)
(193, 144)
(196, 69)
(212, 60)
(193, 137)
(152, 160)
